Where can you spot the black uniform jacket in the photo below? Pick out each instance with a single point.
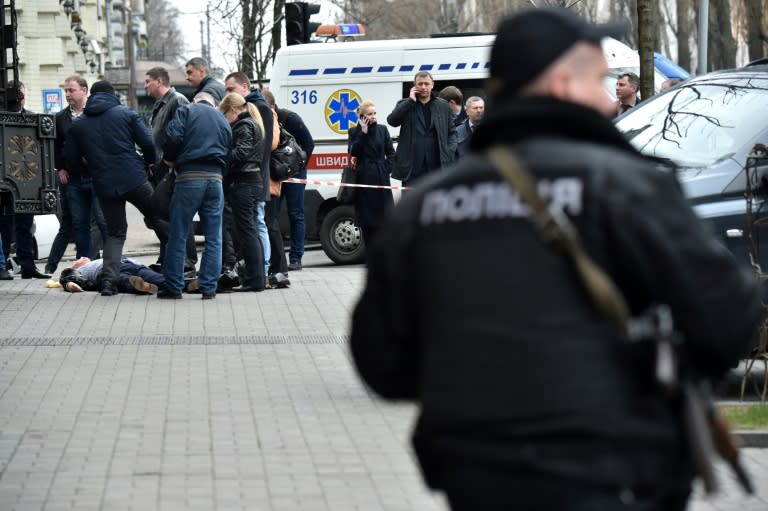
(467, 312)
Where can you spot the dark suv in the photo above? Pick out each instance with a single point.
(708, 126)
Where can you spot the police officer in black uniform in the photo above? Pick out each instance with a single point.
(529, 398)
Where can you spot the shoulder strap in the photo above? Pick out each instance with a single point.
(554, 226)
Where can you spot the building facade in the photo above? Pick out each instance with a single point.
(57, 38)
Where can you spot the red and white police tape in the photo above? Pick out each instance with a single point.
(339, 183)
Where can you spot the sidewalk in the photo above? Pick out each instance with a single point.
(248, 401)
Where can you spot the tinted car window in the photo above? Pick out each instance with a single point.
(701, 122)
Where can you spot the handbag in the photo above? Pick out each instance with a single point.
(346, 194)
(705, 429)
(288, 159)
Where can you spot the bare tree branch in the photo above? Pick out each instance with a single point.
(165, 42)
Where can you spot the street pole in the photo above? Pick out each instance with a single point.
(202, 39)
(703, 36)
(208, 33)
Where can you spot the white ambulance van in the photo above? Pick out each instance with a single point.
(325, 82)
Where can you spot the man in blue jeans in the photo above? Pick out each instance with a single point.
(294, 192)
(197, 148)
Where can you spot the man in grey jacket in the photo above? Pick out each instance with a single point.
(196, 70)
(167, 101)
(427, 134)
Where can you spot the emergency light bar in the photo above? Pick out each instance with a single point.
(342, 29)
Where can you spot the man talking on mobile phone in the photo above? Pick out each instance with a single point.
(427, 134)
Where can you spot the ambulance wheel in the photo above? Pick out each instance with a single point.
(341, 238)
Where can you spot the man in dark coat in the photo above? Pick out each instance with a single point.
(105, 137)
(455, 99)
(427, 139)
(475, 108)
(198, 77)
(529, 397)
(293, 193)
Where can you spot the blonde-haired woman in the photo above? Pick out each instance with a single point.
(371, 144)
(244, 184)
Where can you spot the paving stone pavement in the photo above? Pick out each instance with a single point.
(246, 402)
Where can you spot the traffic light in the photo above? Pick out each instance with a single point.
(294, 23)
(298, 28)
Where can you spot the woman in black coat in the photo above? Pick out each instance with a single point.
(371, 145)
(244, 185)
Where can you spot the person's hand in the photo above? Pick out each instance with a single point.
(63, 176)
(168, 164)
(414, 90)
(73, 288)
(364, 124)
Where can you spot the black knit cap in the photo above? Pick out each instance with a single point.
(102, 86)
(529, 41)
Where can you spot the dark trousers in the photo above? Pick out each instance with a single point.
(229, 246)
(293, 194)
(161, 199)
(129, 269)
(83, 206)
(62, 238)
(25, 245)
(369, 234)
(117, 225)
(242, 198)
(278, 263)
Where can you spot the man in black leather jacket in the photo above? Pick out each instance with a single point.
(529, 398)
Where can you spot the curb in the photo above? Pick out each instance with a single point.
(752, 438)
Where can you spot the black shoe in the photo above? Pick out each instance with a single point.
(156, 267)
(108, 288)
(279, 280)
(5, 274)
(50, 269)
(227, 281)
(246, 289)
(35, 274)
(168, 294)
(295, 266)
(209, 296)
